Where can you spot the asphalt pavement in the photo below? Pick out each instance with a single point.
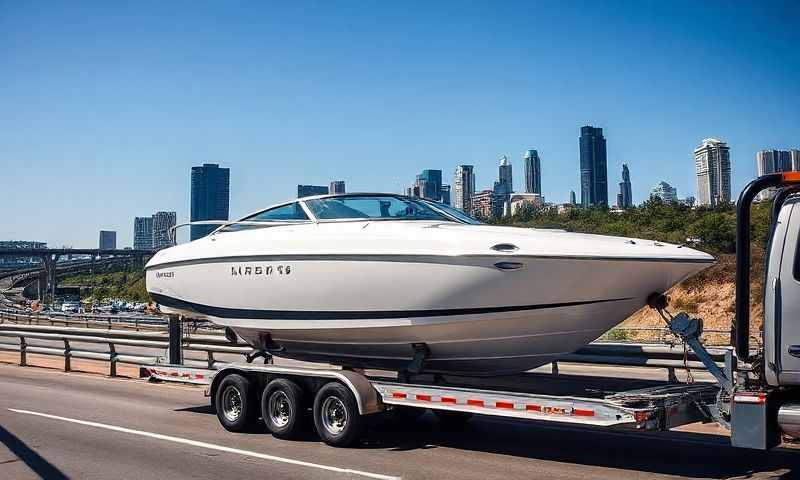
(71, 425)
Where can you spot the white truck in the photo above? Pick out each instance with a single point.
(756, 394)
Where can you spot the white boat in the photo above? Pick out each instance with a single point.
(373, 280)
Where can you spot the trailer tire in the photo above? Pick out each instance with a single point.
(452, 419)
(336, 416)
(236, 404)
(283, 408)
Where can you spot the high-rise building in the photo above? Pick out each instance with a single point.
(794, 158)
(484, 204)
(446, 194)
(210, 197)
(772, 161)
(464, 188)
(625, 196)
(503, 188)
(430, 184)
(666, 192)
(594, 168)
(713, 165)
(108, 240)
(143, 233)
(163, 223)
(572, 200)
(533, 172)
(505, 180)
(311, 190)
(336, 187)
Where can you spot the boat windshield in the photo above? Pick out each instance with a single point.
(373, 207)
(453, 212)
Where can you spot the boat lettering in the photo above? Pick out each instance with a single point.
(260, 270)
(165, 274)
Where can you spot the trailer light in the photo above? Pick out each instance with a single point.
(791, 177)
(448, 400)
(399, 395)
(475, 403)
(423, 398)
(504, 405)
(583, 412)
(750, 397)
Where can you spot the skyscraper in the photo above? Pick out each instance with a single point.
(503, 188)
(625, 196)
(336, 187)
(533, 172)
(143, 233)
(108, 240)
(713, 165)
(463, 188)
(163, 222)
(210, 197)
(446, 194)
(430, 184)
(572, 200)
(311, 190)
(594, 170)
(666, 192)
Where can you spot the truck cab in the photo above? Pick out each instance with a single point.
(782, 297)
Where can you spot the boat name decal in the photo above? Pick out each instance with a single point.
(165, 274)
(238, 270)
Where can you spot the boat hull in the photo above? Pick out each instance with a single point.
(476, 314)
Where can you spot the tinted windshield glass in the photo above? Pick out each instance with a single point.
(372, 207)
(292, 212)
(461, 216)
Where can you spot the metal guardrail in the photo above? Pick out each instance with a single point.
(670, 357)
(210, 344)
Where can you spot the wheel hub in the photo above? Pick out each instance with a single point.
(280, 409)
(231, 403)
(334, 415)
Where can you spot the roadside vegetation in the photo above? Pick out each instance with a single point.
(123, 285)
(709, 294)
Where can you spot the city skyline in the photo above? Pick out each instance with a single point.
(122, 120)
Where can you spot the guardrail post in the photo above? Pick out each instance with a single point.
(112, 358)
(671, 377)
(23, 352)
(175, 356)
(67, 356)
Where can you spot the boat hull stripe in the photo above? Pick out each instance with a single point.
(226, 312)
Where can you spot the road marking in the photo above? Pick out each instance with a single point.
(210, 446)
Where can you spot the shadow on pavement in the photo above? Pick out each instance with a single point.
(670, 453)
(33, 460)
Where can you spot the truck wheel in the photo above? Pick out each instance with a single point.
(283, 408)
(235, 405)
(336, 415)
(452, 419)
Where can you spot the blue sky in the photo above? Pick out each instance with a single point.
(105, 106)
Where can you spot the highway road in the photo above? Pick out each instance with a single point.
(72, 425)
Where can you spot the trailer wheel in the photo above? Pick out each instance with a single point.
(452, 419)
(336, 415)
(283, 408)
(235, 403)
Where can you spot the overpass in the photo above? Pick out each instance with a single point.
(50, 267)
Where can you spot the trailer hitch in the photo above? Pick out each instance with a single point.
(689, 330)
